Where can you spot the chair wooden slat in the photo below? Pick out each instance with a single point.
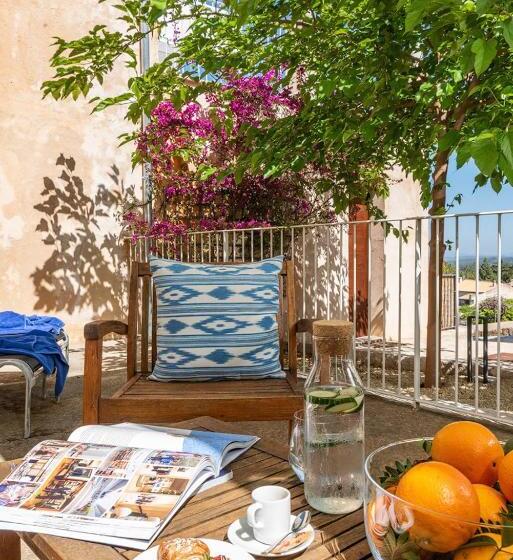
(133, 296)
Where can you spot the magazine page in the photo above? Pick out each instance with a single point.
(100, 489)
(113, 538)
(221, 448)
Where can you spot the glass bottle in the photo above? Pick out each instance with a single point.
(334, 425)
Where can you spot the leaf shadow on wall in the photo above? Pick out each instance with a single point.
(86, 266)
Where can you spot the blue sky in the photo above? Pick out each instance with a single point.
(483, 200)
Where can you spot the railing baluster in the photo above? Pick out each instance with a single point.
(316, 284)
(328, 271)
(303, 289)
(476, 332)
(457, 315)
(499, 318)
(355, 296)
(437, 307)
(384, 298)
(417, 310)
(341, 271)
(369, 300)
(400, 309)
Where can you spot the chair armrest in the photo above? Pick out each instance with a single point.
(96, 330)
(92, 388)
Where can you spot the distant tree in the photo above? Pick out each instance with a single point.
(449, 268)
(487, 272)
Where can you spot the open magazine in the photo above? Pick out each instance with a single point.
(118, 485)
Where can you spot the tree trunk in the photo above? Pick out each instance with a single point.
(433, 326)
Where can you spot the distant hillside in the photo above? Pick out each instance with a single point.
(471, 260)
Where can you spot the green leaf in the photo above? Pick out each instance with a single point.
(297, 164)
(484, 51)
(507, 31)
(507, 146)
(484, 151)
(205, 172)
(507, 170)
(496, 183)
(508, 446)
(507, 534)
(448, 140)
(238, 174)
(414, 15)
(159, 4)
(481, 180)
(480, 540)
(426, 446)
(463, 155)
(482, 6)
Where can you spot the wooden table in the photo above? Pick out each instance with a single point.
(210, 513)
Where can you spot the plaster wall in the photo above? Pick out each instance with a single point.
(404, 202)
(62, 174)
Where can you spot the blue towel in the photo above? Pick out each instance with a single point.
(35, 336)
(12, 323)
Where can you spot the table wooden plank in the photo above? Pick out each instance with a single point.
(10, 546)
(9, 541)
(210, 513)
(48, 547)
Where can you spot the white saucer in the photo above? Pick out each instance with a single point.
(216, 548)
(241, 534)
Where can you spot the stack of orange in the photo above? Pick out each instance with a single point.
(459, 483)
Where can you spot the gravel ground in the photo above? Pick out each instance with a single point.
(466, 390)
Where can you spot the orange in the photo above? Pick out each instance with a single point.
(506, 476)
(486, 552)
(491, 503)
(438, 488)
(471, 448)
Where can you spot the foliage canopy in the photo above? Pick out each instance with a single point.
(384, 82)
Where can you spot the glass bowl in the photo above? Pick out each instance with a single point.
(399, 530)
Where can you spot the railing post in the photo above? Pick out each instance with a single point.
(469, 348)
(417, 310)
(485, 350)
(226, 247)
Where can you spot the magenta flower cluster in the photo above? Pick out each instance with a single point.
(191, 150)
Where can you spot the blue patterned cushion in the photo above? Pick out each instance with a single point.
(216, 322)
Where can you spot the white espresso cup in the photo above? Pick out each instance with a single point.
(269, 514)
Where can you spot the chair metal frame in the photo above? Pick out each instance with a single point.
(31, 377)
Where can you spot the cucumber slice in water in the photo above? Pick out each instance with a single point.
(321, 396)
(348, 392)
(347, 406)
(334, 397)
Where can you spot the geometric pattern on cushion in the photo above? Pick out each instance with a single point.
(216, 322)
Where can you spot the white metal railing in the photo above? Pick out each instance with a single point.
(385, 294)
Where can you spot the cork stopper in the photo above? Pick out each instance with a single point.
(333, 337)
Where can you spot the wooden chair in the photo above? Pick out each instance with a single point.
(143, 400)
